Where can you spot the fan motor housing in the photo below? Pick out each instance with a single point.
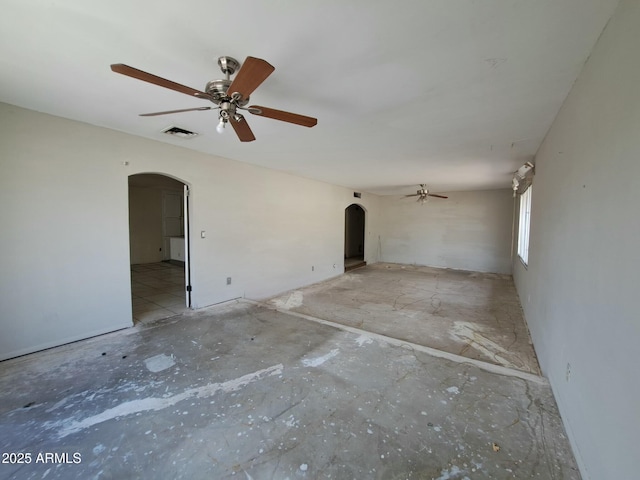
(217, 89)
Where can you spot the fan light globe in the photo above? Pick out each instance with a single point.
(220, 127)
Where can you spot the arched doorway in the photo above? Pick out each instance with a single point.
(354, 227)
(158, 246)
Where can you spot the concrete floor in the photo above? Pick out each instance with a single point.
(354, 262)
(245, 391)
(475, 315)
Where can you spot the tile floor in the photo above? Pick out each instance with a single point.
(157, 291)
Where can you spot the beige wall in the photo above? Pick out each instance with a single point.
(467, 231)
(147, 241)
(580, 290)
(145, 225)
(65, 229)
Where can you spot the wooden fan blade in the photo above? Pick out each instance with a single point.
(414, 195)
(253, 72)
(242, 130)
(148, 77)
(175, 111)
(434, 195)
(283, 116)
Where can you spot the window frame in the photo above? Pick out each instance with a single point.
(524, 226)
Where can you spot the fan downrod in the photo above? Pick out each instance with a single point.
(228, 65)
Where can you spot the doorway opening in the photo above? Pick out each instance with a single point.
(158, 247)
(354, 227)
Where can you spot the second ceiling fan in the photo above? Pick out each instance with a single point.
(230, 97)
(423, 194)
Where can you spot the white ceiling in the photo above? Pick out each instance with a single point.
(453, 93)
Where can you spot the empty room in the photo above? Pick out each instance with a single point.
(347, 240)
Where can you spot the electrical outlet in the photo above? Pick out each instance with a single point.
(228, 280)
(568, 374)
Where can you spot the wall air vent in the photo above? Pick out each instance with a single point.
(179, 132)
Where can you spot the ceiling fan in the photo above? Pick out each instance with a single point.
(229, 96)
(423, 194)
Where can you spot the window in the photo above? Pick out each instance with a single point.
(524, 223)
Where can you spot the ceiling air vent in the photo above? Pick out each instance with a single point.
(179, 132)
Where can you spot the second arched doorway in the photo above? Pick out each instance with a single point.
(354, 228)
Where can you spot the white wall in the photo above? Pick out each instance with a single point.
(65, 234)
(467, 231)
(580, 291)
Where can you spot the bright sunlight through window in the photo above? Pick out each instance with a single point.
(523, 229)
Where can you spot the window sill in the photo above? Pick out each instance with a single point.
(524, 264)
